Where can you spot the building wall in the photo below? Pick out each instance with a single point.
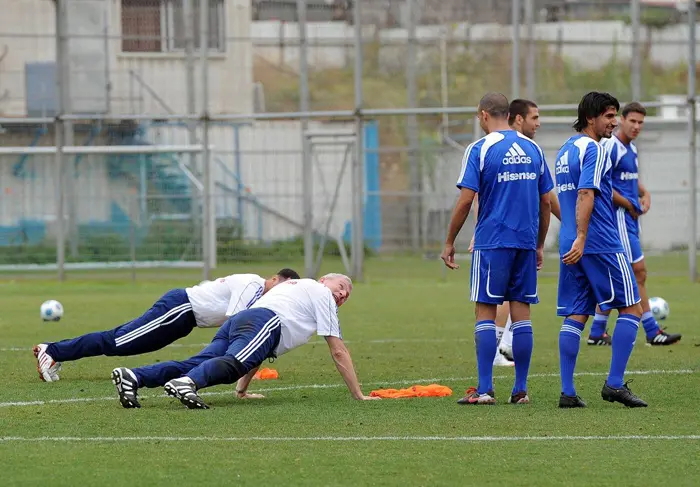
(27, 31)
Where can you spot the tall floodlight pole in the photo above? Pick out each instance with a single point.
(692, 128)
(307, 168)
(357, 246)
(636, 64)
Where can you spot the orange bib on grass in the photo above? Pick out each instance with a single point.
(433, 390)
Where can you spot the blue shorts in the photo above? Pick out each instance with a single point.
(603, 279)
(250, 336)
(629, 238)
(500, 275)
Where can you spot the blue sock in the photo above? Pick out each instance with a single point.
(600, 324)
(486, 344)
(522, 353)
(623, 339)
(569, 344)
(651, 327)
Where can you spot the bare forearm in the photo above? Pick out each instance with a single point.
(554, 200)
(244, 381)
(619, 200)
(343, 363)
(545, 212)
(459, 216)
(642, 189)
(584, 208)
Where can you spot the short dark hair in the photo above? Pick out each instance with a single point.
(495, 104)
(519, 107)
(592, 105)
(634, 107)
(288, 274)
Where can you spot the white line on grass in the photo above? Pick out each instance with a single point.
(470, 439)
(317, 342)
(333, 386)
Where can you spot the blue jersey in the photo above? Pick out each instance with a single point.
(582, 163)
(625, 174)
(509, 172)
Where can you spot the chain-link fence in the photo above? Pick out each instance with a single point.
(302, 123)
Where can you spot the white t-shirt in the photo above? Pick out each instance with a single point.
(214, 301)
(305, 307)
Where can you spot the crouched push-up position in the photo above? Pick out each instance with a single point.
(283, 319)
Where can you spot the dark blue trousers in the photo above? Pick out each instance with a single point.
(168, 320)
(240, 345)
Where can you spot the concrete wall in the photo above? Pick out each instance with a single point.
(27, 31)
(590, 44)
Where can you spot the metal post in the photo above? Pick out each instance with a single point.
(208, 217)
(188, 17)
(357, 247)
(636, 64)
(692, 128)
(64, 93)
(60, 229)
(515, 61)
(307, 168)
(58, 127)
(412, 130)
(531, 50)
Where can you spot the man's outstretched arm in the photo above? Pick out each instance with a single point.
(242, 386)
(343, 362)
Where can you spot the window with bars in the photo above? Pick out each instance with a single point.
(159, 25)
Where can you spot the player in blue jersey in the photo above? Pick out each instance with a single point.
(523, 116)
(508, 171)
(594, 268)
(631, 200)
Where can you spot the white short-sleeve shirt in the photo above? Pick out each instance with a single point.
(305, 307)
(214, 301)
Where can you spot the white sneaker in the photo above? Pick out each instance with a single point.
(501, 361)
(45, 364)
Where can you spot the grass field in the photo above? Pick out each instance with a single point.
(405, 325)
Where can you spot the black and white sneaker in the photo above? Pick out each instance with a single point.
(185, 390)
(663, 338)
(127, 387)
(571, 401)
(622, 395)
(602, 340)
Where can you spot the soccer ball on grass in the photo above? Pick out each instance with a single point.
(51, 310)
(659, 308)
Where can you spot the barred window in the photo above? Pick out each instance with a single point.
(159, 25)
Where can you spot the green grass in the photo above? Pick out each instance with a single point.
(405, 323)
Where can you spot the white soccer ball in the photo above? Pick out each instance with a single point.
(659, 307)
(51, 310)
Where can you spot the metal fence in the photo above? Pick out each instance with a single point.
(284, 134)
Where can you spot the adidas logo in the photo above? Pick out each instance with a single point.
(562, 165)
(516, 155)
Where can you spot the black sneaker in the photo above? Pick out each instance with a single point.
(571, 401)
(519, 398)
(663, 338)
(622, 395)
(127, 387)
(185, 390)
(604, 340)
